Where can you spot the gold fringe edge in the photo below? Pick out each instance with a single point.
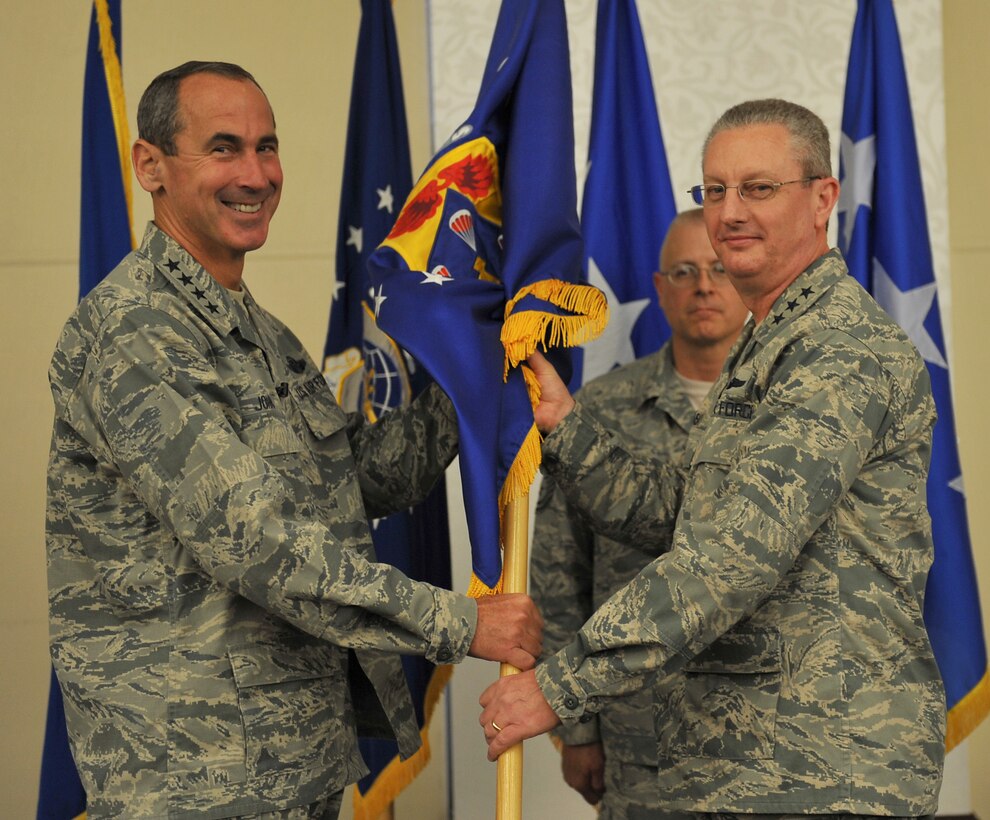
(400, 773)
(118, 105)
(523, 470)
(516, 485)
(479, 589)
(518, 481)
(522, 332)
(966, 715)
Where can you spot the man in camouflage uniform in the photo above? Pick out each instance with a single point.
(791, 599)
(219, 627)
(611, 759)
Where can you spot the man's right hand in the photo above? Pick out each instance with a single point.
(510, 630)
(584, 770)
(556, 400)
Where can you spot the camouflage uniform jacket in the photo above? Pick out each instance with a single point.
(791, 599)
(209, 556)
(573, 571)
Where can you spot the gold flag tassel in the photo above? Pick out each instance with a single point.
(118, 105)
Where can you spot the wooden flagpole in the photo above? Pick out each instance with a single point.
(508, 794)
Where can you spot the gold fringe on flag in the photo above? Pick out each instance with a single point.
(964, 717)
(118, 105)
(478, 588)
(400, 773)
(527, 460)
(522, 332)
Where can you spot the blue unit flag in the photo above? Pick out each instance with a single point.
(483, 264)
(883, 232)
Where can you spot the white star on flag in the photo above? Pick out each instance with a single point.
(434, 278)
(378, 298)
(386, 199)
(338, 286)
(908, 308)
(859, 160)
(957, 484)
(355, 237)
(614, 346)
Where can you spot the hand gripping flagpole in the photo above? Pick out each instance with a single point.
(583, 316)
(508, 792)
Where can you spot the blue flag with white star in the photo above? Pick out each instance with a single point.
(369, 373)
(628, 199)
(104, 239)
(377, 179)
(883, 233)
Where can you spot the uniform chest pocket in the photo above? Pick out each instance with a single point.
(321, 413)
(718, 444)
(726, 704)
(712, 460)
(268, 433)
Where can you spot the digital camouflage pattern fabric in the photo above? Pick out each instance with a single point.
(209, 555)
(791, 599)
(573, 570)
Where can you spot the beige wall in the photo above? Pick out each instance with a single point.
(303, 57)
(966, 32)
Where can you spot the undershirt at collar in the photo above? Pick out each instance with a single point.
(696, 390)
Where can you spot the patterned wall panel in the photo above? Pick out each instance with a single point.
(707, 55)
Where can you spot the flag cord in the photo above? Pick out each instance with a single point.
(118, 105)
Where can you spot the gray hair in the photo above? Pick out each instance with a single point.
(158, 118)
(809, 136)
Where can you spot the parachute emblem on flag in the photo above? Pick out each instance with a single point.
(473, 174)
(462, 223)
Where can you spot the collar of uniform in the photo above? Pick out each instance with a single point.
(663, 388)
(191, 279)
(804, 291)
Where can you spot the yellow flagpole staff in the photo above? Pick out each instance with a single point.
(508, 792)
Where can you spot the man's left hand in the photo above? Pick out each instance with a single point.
(514, 709)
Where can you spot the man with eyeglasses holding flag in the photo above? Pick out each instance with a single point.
(612, 760)
(790, 602)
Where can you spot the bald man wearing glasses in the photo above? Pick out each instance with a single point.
(790, 603)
